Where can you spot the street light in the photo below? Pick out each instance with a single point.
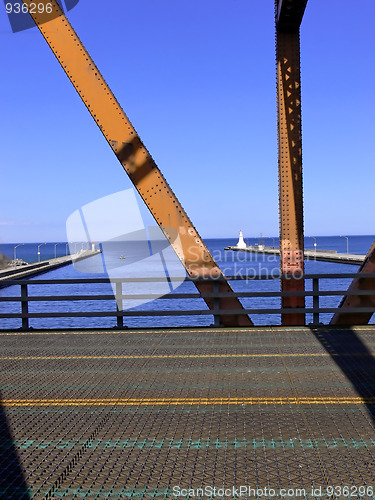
(55, 248)
(39, 250)
(315, 244)
(273, 242)
(347, 243)
(19, 244)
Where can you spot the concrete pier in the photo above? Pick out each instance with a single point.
(28, 270)
(323, 255)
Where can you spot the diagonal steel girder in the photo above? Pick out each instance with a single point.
(290, 159)
(135, 159)
(358, 283)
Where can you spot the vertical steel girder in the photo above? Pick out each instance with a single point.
(290, 171)
(134, 157)
(359, 283)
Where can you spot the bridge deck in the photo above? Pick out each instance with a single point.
(146, 414)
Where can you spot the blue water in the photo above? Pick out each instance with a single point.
(232, 263)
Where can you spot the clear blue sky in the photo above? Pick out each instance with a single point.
(197, 79)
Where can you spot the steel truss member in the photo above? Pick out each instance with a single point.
(135, 159)
(367, 300)
(288, 19)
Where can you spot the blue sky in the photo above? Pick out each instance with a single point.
(197, 80)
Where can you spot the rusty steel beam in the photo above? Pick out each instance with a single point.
(359, 283)
(134, 157)
(290, 170)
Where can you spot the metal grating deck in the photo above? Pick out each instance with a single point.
(280, 412)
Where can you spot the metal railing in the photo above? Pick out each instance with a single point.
(316, 293)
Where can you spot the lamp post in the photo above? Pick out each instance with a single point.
(347, 243)
(55, 248)
(19, 244)
(315, 244)
(273, 242)
(39, 250)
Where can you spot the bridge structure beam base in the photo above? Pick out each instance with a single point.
(358, 283)
(290, 171)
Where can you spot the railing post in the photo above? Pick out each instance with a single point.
(24, 307)
(315, 287)
(216, 304)
(120, 318)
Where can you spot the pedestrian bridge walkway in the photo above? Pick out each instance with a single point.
(187, 412)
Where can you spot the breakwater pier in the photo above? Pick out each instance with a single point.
(17, 272)
(309, 254)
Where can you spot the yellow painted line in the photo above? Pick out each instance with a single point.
(183, 356)
(187, 401)
(158, 356)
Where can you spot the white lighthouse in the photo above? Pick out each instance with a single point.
(241, 244)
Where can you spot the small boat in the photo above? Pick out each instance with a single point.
(122, 257)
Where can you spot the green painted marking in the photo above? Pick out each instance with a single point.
(290, 443)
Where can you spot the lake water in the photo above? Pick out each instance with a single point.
(232, 263)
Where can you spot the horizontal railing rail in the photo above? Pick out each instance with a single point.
(316, 310)
(239, 277)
